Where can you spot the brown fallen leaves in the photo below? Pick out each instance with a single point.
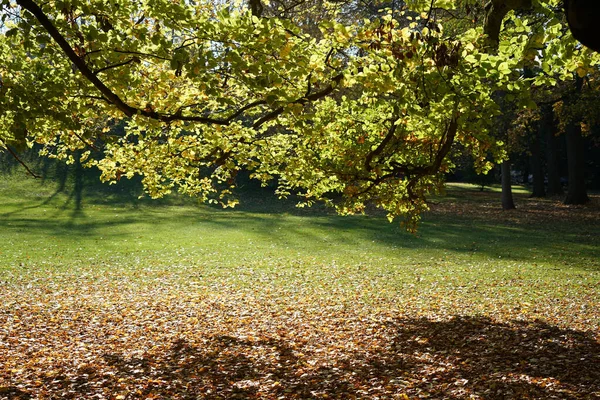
(92, 340)
(101, 335)
(530, 211)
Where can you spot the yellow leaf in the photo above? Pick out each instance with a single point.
(285, 51)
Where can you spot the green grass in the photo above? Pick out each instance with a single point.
(269, 265)
(42, 231)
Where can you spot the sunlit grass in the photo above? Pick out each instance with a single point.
(456, 187)
(484, 262)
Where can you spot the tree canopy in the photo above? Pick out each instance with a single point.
(335, 101)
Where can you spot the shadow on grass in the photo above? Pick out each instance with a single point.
(455, 234)
(76, 226)
(306, 232)
(464, 357)
(262, 216)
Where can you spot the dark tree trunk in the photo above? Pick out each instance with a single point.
(576, 193)
(78, 189)
(548, 129)
(537, 170)
(507, 197)
(582, 16)
(62, 171)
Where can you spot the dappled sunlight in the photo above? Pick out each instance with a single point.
(469, 229)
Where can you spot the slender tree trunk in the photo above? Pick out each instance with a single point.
(536, 166)
(507, 197)
(78, 181)
(576, 193)
(548, 129)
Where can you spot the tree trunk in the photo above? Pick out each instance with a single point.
(507, 197)
(576, 193)
(536, 166)
(582, 17)
(548, 129)
(78, 189)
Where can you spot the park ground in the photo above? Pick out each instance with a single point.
(104, 296)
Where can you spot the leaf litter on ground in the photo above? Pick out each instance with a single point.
(275, 328)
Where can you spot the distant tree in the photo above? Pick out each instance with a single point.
(548, 130)
(530, 131)
(576, 192)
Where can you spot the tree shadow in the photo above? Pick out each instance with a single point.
(479, 234)
(459, 358)
(460, 236)
(441, 233)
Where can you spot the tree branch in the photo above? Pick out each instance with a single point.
(226, 121)
(90, 145)
(445, 146)
(129, 110)
(414, 172)
(256, 7)
(303, 100)
(112, 97)
(115, 65)
(38, 13)
(16, 157)
(381, 146)
(139, 54)
(495, 11)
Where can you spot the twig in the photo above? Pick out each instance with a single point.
(115, 65)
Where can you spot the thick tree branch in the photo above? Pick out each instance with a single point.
(112, 97)
(256, 7)
(495, 11)
(444, 149)
(38, 13)
(411, 172)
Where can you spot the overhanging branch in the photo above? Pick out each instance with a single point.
(326, 91)
(121, 64)
(129, 110)
(412, 172)
(38, 13)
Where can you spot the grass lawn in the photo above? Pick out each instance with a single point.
(133, 299)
